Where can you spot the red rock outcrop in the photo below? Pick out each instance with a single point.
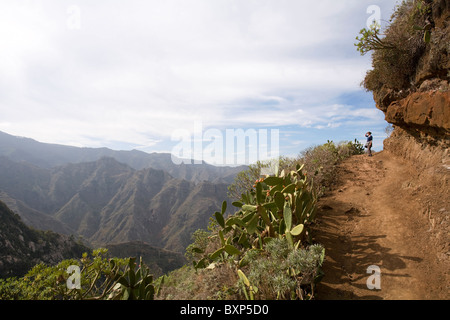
(428, 112)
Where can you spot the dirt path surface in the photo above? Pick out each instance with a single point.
(376, 216)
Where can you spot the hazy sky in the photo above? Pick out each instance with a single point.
(128, 74)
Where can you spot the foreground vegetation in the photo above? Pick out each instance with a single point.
(263, 250)
(258, 248)
(99, 279)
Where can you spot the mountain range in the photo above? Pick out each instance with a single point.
(110, 197)
(46, 155)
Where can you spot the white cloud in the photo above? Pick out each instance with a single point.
(135, 71)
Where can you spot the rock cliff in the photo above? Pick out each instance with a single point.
(419, 110)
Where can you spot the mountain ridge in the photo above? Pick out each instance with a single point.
(46, 155)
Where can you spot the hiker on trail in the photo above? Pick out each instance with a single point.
(369, 143)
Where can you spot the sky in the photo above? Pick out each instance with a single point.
(158, 75)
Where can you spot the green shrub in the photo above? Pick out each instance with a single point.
(199, 244)
(282, 272)
(396, 55)
(100, 279)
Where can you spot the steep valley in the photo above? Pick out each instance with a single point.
(108, 203)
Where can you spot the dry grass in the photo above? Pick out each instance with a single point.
(186, 283)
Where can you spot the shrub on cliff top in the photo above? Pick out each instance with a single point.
(397, 51)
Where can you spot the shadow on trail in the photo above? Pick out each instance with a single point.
(348, 256)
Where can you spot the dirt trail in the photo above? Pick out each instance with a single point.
(375, 217)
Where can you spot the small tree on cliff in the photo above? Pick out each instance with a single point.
(396, 55)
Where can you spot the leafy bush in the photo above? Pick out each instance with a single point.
(100, 278)
(201, 240)
(281, 272)
(396, 55)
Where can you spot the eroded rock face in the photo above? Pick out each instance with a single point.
(422, 132)
(423, 111)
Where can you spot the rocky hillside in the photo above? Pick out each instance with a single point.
(410, 83)
(22, 247)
